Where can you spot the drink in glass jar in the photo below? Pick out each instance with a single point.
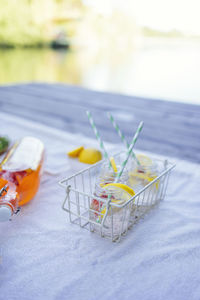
(20, 173)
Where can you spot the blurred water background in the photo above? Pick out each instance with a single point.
(108, 51)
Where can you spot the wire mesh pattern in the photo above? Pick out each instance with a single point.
(85, 207)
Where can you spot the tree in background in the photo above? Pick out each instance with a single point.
(34, 22)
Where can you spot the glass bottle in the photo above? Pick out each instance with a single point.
(8, 200)
(21, 169)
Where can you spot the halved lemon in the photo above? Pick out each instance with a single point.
(90, 156)
(75, 153)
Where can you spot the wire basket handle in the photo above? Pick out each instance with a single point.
(66, 198)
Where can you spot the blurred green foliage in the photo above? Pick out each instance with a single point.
(16, 24)
(33, 22)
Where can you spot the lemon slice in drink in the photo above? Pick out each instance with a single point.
(144, 160)
(123, 192)
(75, 153)
(113, 164)
(145, 176)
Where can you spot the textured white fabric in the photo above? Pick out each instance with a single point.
(43, 256)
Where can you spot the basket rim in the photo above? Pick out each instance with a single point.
(69, 188)
(62, 181)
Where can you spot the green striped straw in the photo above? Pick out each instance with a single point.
(98, 137)
(129, 151)
(121, 135)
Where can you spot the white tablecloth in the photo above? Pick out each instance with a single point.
(43, 256)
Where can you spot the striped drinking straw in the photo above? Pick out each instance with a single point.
(129, 151)
(98, 137)
(121, 135)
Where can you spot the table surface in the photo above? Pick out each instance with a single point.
(43, 256)
(171, 128)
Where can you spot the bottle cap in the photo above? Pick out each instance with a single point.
(5, 213)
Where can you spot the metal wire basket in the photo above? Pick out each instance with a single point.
(118, 218)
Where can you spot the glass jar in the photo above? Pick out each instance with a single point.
(107, 207)
(142, 174)
(107, 174)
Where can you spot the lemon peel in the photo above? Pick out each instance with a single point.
(113, 164)
(121, 186)
(75, 153)
(127, 194)
(90, 156)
